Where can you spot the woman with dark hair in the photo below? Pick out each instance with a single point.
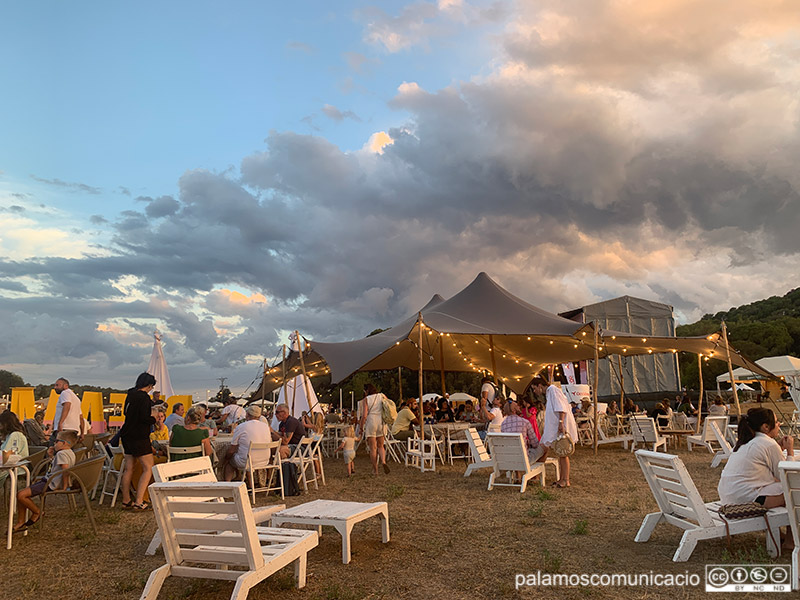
(372, 427)
(14, 440)
(135, 436)
(444, 414)
(751, 474)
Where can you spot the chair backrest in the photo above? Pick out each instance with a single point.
(673, 489)
(36, 458)
(80, 454)
(88, 471)
(303, 450)
(180, 452)
(719, 437)
(721, 423)
(790, 479)
(476, 445)
(192, 538)
(680, 420)
(197, 469)
(259, 454)
(643, 429)
(508, 452)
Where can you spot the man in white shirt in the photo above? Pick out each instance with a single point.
(232, 413)
(253, 430)
(68, 415)
(491, 408)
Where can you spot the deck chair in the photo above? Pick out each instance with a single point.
(303, 459)
(421, 453)
(236, 550)
(643, 429)
(198, 470)
(681, 505)
(264, 457)
(83, 477)
(478, 453)
(180, 452)
(114, 474)
(790, 478)
(725, 449)
(706, 437)
(510, 455)
(316, 452)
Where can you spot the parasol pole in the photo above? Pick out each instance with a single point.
(700, 403)
(441, 364)
(400, 384)
(305, 375)
(621, 382)
(421, 414)
(730, 371)
(596, 383)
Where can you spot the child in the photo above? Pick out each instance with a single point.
(348, 446)
(64, 459)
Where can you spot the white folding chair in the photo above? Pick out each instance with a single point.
(180, 452)
(303, 459)
(790, 479)
(264, 456)
(112, 472)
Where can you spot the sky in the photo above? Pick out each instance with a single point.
(230, 172)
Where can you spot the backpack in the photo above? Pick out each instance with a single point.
(290, 487)
(388, 410)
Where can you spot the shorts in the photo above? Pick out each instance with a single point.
(38, 487)
(349, 456)
(534, 454)
(238, 462)
(137, 447)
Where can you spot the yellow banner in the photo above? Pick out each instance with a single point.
(117, 399)
(185, 399)
(22, 402)
(50, 413)
(92, 404)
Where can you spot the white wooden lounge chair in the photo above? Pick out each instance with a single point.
(681, 505)
(725, 449)
(643, 429)
(790, 478)
(706, 437)
(198, 470)
(237, 550)
(509, 454)
(477, 450)
(603, 438)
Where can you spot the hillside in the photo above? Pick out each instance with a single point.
(769, 327)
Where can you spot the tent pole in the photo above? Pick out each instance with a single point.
(305, 375)
(596, 383)
(494, 361)
(340, 401)
(283, 367)
(441, 364)
(263, 383)
(400, 384)
(621, 382)
(421, 414)
(700, 403)
(730, 371)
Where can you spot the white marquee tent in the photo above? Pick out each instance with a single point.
(786, 367)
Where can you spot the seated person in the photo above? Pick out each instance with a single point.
(751, 474)
(176, 418)
(687, 407)
(290, 430)
(613, 409)
(444, 414)
(718, 409)
(189, 434)
(629, 408)
(460, 413)
(403, 426)
(469, 412)
(231, 414)
(63, 458)
(35, 430)
(207, 423)
(159, 437)
(253, 430)
(14, 440)
(514, 422)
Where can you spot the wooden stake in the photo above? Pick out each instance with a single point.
(494, 361)
(306, 383)
(400, 385)
(730, 370)
(621, 382)
(283, 368)
(596, 381)
(421, 414)
(700, 403)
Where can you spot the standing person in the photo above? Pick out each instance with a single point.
(488, 391)
(135, 436)
(372, 426)
(558, 419)
(348, 448)
(492, 414)
(68, 415)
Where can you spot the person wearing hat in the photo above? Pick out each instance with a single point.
(252, 431)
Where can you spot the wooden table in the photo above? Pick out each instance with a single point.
(12, 501)
(341, 515)
(676, 434)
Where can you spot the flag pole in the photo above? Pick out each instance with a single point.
(730, 371)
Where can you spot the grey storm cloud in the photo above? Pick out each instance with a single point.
(335, 114)
(544, 174)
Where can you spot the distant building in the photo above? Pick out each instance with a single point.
(641, 374)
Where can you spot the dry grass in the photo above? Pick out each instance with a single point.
(451, 538)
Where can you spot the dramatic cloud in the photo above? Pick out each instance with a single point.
(611, 149)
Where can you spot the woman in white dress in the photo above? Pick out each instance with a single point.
(372, 427)
(558, 419)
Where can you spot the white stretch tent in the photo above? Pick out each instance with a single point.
(158, 369)
(787, 367)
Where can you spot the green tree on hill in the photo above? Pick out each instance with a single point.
(9, 380)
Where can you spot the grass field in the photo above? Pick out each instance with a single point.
(451, 538)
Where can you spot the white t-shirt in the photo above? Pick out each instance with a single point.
(233, 413)
(73, 420)
(752, 471)
(62, 457)
(497, 420)
(488, 387)
(252, 430)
